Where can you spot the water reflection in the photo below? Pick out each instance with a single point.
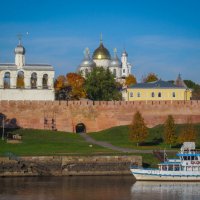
(94, 188)
(69, 188)
(165, 190)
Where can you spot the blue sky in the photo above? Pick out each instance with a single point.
(160, 36)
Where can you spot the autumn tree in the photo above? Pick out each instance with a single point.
(130, 80)
(70, 87)
(151, 77)
(60, 82)
(76, 81)
(138, 130)
(169, 131)
(188, 133)
(101, 85)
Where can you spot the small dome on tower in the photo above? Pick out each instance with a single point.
(101, 52)
(20, 50)
(115, 62)
(87, 61)
(125, 53)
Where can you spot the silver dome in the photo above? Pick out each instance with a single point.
(125, 53)
(87, 61)
(115, 62)
(20, 49)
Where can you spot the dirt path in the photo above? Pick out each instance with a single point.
(115, 148)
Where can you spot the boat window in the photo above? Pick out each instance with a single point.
(184, 157)
(170, 168)
(176, 168)
(192, 157)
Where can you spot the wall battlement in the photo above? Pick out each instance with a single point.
(95, 115)
(97, 103)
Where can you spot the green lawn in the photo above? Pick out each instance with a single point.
(119, 136)
(42, 142)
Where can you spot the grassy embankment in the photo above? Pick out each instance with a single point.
(119, 136)
(42, 142)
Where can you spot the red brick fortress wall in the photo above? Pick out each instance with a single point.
(95, 115)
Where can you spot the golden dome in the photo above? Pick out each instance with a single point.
(101, 53)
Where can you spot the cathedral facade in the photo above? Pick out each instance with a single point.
(101, 57)
(22, 81)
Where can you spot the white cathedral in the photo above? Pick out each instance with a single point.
(22, 81)
(101, 58)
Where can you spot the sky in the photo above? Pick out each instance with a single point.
(160, 36)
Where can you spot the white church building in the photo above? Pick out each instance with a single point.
(101, 58)
(22, 81)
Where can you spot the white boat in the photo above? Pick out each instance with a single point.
(184, 168)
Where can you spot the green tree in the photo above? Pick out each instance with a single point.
(150, 78)
(190, 84)
(169, 131)
(138, 130)
(101, 85)
(188, 133)
(195, 89)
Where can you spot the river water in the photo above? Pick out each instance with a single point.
(94, 188)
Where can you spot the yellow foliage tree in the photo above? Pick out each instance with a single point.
(150, 78)
(60, 82)
(188, 133)
(76, 82)
(130, 80)
(138, 130)
(169, 131)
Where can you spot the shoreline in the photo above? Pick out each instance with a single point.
(67, 165)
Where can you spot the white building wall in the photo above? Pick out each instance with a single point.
(27, 94)
(102, 63)
(118, 71)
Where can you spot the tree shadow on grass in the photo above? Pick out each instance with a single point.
(155, 141)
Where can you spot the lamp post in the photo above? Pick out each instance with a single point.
(3, 128)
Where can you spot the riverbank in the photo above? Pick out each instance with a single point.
(67, 165)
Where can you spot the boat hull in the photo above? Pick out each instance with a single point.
(156, 175)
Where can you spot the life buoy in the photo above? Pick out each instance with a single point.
(192, 162)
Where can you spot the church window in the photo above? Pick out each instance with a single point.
(114, 72)
(124, 70)
(86, 72)
(20, 80)
(45, 81)
(159, 94)
(138, 94)
(33, 80)
(6, 80)
(131, 94)
(152, 94)
(173, 94)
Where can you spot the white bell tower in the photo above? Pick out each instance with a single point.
(19, 54)
(126, 67)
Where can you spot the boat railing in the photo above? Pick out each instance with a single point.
(193, 152)
(139, 167)
(135, 167)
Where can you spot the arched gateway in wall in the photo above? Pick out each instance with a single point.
(80, 128)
